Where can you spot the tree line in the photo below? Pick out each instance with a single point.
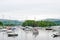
(41, 23)
(34, 23)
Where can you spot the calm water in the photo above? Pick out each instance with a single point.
(22, 35)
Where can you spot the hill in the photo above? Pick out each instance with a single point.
(57, 21)
(7, 22)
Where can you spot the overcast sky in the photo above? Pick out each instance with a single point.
(29, 9)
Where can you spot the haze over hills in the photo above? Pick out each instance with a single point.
(10, 22)
(57, 21)
(16, 22)
(52, 19)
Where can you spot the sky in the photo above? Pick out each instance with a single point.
(29, 9)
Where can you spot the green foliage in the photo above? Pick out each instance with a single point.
(7, 22)
(9, 25)
(45, 23)
(1, 24)
(29, 23)
(38, 23)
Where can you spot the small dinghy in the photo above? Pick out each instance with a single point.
(12, 35)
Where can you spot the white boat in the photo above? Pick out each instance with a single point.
(56, 34)
(9, 31)
(56, 29)
(3, 30)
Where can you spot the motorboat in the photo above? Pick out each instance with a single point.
(12, 34)
(48, 28)
(9, 31)
(56, 35)
(3, 30)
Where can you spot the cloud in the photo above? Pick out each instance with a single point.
(20, 9)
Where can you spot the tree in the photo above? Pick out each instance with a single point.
(45, 23)
(30, 23)
(38, 23)
(1, 24)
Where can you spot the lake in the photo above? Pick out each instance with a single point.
(22, 35)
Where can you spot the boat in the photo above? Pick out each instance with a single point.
(9, 31)
(56, 35)
(12, 34)
(48, 29)
(3, 30)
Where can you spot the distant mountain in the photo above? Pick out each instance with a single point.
(10, 22)
(52, 19)
(57, 21)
